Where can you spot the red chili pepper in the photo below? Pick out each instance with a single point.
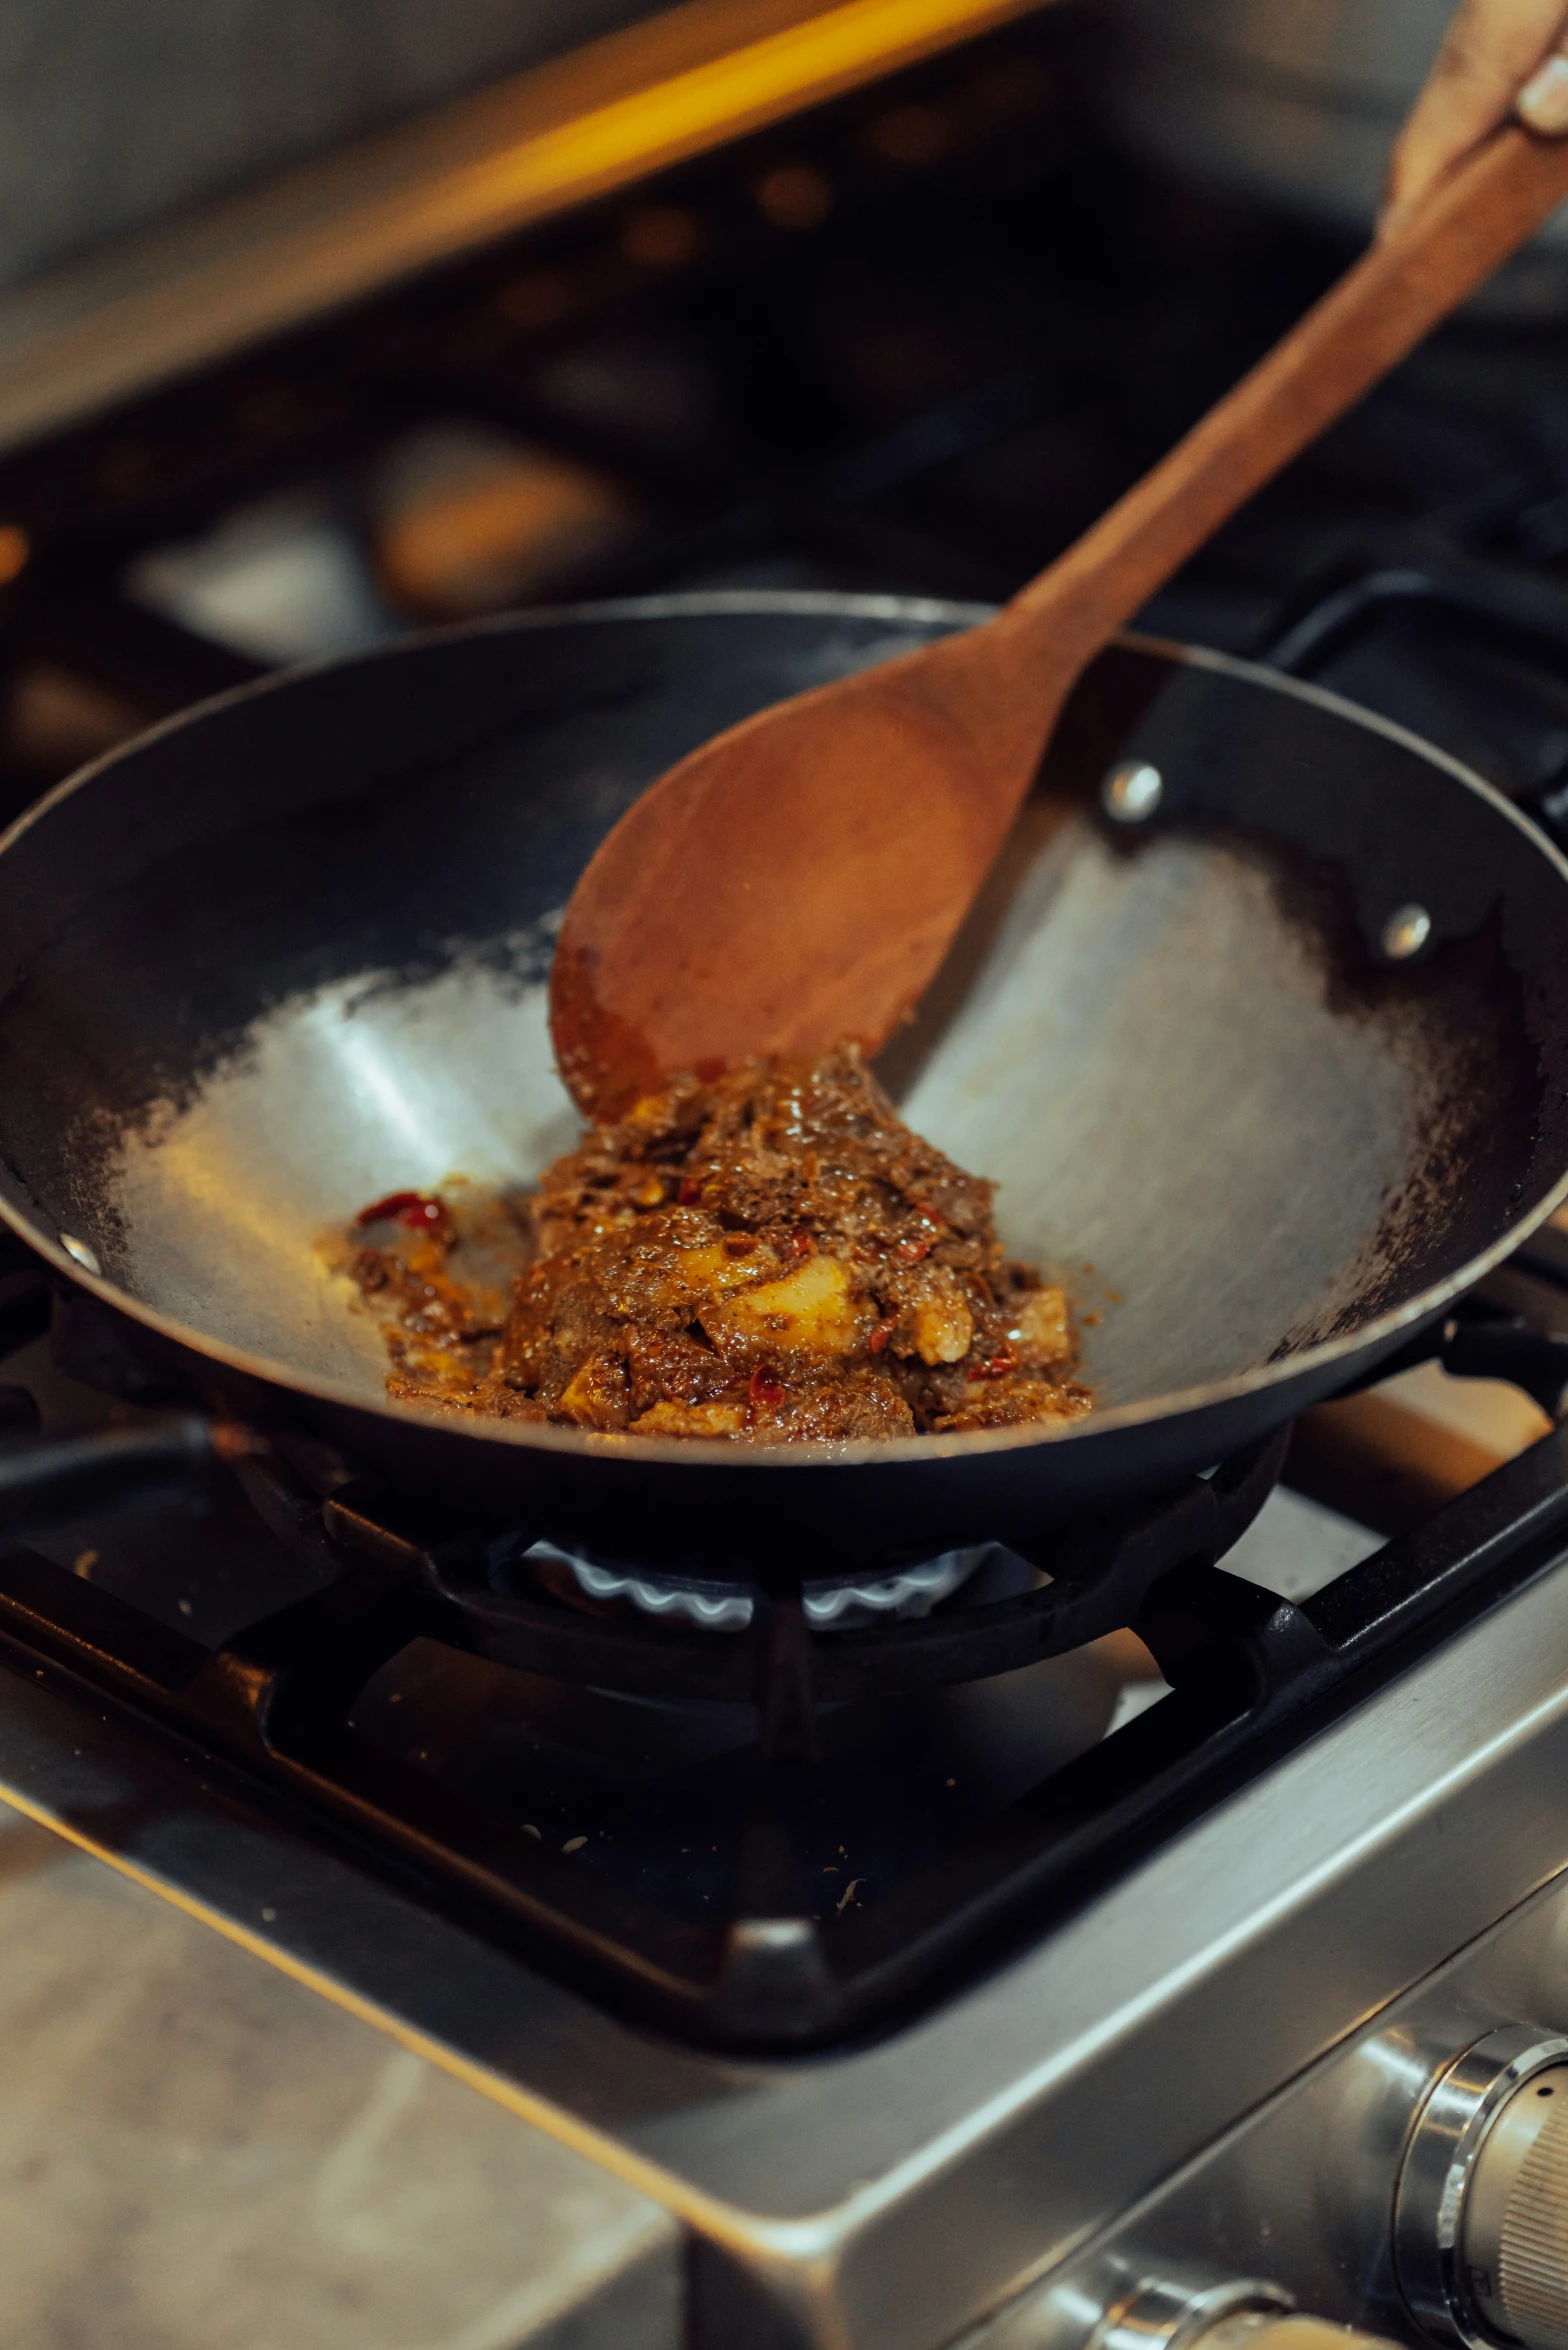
(690, 1190)
(765, 1390)
(924, 1208)
(998, 1366)
(801, 1242)
(880, 1336)
(405, 1207)
(913, 1250)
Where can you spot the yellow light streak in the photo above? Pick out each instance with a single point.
(149, 306)
(722, 98)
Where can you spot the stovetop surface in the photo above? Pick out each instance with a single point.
(1393, 1823)
(682, 1858)
(927, 1812)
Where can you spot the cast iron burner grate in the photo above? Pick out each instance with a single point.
(763, 1838)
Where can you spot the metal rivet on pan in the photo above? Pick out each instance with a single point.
(1406, 932)
(84, 1256)
(1132, 791)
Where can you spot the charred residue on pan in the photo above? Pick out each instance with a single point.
(1350, 822)
(162, 909)
(1459, 1015)
(1454, 1024)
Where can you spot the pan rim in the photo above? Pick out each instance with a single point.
(710, 1453)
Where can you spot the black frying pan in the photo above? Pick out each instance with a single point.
(289, 952)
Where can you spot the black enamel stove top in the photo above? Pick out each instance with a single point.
(767, 1835)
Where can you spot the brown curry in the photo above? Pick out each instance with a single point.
(771, 1256)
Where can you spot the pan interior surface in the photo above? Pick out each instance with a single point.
(1207, 1106)
(1147, 1122)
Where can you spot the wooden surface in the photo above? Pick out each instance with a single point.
(797, 881)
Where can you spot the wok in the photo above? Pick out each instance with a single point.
(288, 953)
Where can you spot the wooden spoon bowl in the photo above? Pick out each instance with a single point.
(796, 881)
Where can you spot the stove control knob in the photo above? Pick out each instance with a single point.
(1240, 2314)
(1481, 2214)
(1191, 2309)
(1515, 2241)
(1294, 2331)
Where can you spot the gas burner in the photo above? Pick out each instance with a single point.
(789, 1655)
(785, 1829)
(835, 1603)
(773, 1835)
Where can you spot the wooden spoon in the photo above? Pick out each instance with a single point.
(796, 881)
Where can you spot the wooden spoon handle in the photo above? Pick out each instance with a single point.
(1377, 313)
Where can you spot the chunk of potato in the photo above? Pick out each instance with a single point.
(1039, 1330)
(711, 1270)
(597, 1396)
(647, 1271)
(810, 1309)
(944, 1328)
(691, 1419)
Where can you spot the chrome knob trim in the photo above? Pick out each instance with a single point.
(1515, 2239)
(1435, 2177)
(1190, 2308)
(1170, 2314)
(1292, 2329)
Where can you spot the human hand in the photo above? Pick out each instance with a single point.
(1499, 57)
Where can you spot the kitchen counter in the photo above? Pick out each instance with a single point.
(199, 2153)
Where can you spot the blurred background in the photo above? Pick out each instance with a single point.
(319, 323)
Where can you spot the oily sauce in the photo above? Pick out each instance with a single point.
(766, 1255)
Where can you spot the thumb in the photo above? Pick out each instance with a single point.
(1497, 54)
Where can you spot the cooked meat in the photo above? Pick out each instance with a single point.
(771, 1255)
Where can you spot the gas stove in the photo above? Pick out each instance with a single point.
(903, 1970)
(1135, 1937)
(787, 1821)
